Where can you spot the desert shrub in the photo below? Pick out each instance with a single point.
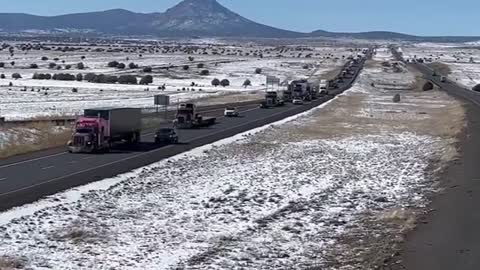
(64, 77)
(12, 63)
(112, 64)
(225, 82)
(146, 80)
(147, 69)
(79, 77)
(204, 72)
(200, 65)
(2, 76)
(80, 66)
(247, 83)
(258, 71)
(121, 66)
(127, 79)
(215, 82)
(89, 77)
(44, 58)
(33, 66)
(68, 66)
(74, 90)
(52, 65)
(132, 66)
(16, 76)
(2, 64)
(427, 86)
(186, 67)
(190, 58)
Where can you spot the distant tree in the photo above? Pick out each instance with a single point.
(112, 64)
(121, 66)
(127, 79)
(89, 77)
(2, 64)
(79, 77)
(44, 58)
(83, 57)
(47, 76)
(52, 65)
(190, 58)
(476, 88)
(16, 76)
(146, 80)
(200, 65)
(205, 72)
(68, 66)
(132, 66)
(215, 82)
(247, 83)
(12, 63)
(80, 66)
(33, 66)
(64, 77)
(147, 69)
(225, 82)
(74, 90)
(258, 71)
(2, 76)
(186, 67)
(56, 59)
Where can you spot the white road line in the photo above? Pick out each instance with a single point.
(64, 153)
(89, 157)
(131, 157)
(49, 167)
(3, 179)
(30, 160)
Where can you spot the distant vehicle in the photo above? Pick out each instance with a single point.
(443, 79)
(166, 135)
(297, 101)
(187, 117)
(231, 112)
(99, 129)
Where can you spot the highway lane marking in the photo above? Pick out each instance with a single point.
(49, 167)
(3, 179)
(146, 153)
(84, 158)
(64, 153)
(31, 160)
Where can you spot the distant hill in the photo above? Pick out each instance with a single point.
(202, 18)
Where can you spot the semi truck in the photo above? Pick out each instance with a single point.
(99, 129)
(187, 117)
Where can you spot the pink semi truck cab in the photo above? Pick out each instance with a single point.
(99, 129)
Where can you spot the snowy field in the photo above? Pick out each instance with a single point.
(28, 98)
(325, 189)
(462, 59)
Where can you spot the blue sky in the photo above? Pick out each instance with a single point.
(421, 17)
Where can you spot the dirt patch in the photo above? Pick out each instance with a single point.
(11, 263)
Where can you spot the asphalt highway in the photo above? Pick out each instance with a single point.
(27, 178)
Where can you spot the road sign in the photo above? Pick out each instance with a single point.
(162, 100)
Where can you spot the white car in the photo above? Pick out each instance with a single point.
(297, 101)
(231, 112)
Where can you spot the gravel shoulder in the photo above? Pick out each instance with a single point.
(447, 236)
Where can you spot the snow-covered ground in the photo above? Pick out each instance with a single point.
(462, 59)
(28, 98)
(284, 196)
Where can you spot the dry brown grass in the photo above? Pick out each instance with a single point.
(44, 137)
(11, 263)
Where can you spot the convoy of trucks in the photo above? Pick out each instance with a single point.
(99, 129)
